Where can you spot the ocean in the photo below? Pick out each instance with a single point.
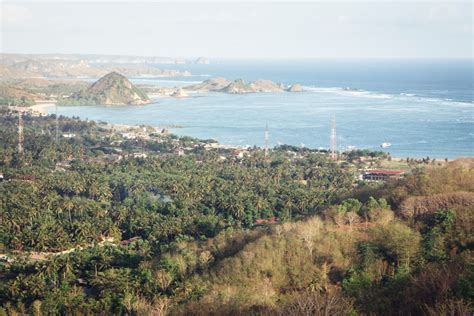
(422, 107)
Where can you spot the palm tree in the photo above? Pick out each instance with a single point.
(68, 205)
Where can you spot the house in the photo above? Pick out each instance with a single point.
(69, 135)
(63, 165)
(128, 135)
(81, 281)
(140, 155)
(239, 153)
(377, 175)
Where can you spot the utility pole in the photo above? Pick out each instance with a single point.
(20, 133)
(333, 139)
(266, 142)
(57, 127)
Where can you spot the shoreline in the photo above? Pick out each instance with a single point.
(41, 108)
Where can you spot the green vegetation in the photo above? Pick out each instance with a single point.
(86, 228)
(17, 102)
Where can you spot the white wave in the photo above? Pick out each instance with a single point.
(375, 95)
(349, 92)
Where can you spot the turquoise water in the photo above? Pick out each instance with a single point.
(427, 117)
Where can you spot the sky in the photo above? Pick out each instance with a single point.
(247, 29)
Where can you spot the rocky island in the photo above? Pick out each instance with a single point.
(112, 89)
(295, 88)
(213, 84)
(179, 93)
(240, 86)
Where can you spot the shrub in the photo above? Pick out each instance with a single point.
(316, 303)
(398, 243)
(357, 284)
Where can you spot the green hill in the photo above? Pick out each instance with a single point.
(111, 89)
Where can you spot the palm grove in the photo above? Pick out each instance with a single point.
(179, 235)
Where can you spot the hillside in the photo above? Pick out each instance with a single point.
(9, 72)
(59, 68)
(10, 95)
(50, 88)
(112, 89)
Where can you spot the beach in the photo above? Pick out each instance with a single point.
(42, 107)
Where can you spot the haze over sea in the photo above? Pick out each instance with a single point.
(422, 107)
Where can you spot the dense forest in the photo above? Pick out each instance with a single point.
(85, 230)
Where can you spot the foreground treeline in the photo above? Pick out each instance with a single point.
(187, 235)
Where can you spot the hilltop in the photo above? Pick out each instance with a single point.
(111, 89)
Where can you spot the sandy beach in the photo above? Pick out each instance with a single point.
(41, 107)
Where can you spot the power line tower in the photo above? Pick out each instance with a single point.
(266, 142)
(20, 133)
(333, 139)
(57, 127)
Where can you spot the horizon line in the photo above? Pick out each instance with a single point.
(471, 57)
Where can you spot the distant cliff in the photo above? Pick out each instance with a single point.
(112, 89)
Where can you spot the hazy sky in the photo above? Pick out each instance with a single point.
(350, 29)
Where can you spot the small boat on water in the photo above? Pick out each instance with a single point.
(385, 145)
